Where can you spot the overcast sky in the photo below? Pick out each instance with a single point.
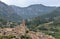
(25, 3)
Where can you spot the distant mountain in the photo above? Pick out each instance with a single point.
(32, 10)
(15, 13)
(55, 13)
(6, 12)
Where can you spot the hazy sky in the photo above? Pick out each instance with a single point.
(24, 3)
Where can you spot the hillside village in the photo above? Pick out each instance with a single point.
(22, 30)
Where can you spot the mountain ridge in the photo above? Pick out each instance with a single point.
(11, 12)
(32, 10)
(6, 11)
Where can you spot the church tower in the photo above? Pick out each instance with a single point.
(23, 23)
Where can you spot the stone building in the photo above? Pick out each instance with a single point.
(22, 29)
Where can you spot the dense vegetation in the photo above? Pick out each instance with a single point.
(50, 26)
(7, 37)
(14, 37)
(5, 23)
(47, 23)
(25, 37)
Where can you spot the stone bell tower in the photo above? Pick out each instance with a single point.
(23, 23)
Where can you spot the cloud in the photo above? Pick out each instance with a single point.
(24, 3)
(16, 2)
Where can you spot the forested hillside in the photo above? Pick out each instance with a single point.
(8, 13)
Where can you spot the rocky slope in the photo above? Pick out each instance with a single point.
(32, 10)
(6, 12)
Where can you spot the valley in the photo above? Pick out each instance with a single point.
(33, 22)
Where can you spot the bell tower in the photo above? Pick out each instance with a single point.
(23, 22)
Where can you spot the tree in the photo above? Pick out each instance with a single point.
(25, 37)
